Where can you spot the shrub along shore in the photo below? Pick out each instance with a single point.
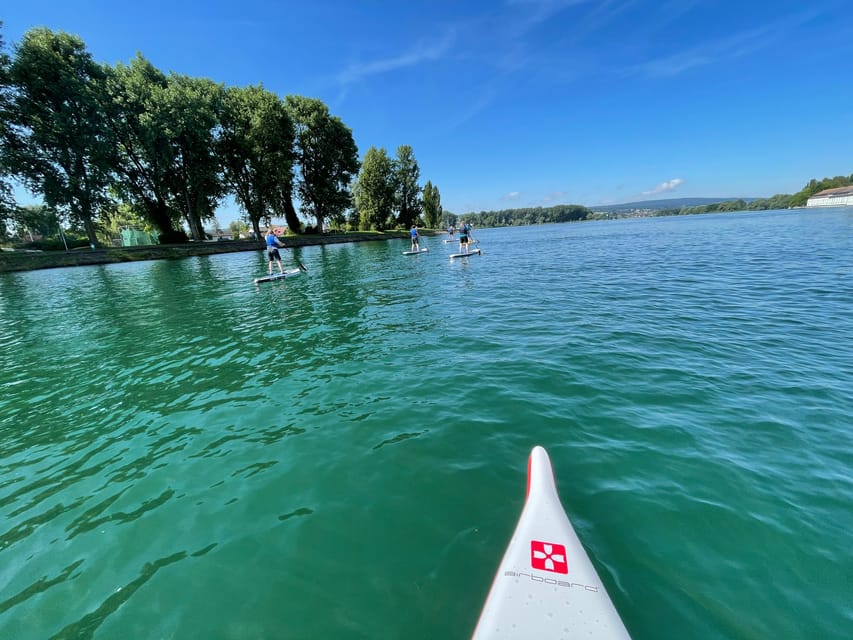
(29, 260)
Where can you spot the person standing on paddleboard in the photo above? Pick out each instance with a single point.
(273, 244)
(468, 230)
(463, 237)
(416, 246)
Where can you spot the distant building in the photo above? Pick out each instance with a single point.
(838, 197)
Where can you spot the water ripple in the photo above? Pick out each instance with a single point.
(691, 378)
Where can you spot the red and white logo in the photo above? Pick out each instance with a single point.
(548, 556)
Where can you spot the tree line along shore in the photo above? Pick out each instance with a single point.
(108, 147)
(11, 261)
(126, 146)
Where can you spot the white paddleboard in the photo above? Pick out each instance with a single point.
(412, 253)
(546, 586)
(288, 273)
(473, 252)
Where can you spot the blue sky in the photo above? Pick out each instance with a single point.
(517, 103)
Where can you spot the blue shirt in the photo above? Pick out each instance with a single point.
(272, 241)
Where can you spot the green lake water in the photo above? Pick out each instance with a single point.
(184, 454)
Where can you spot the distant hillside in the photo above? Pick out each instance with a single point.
(643, 208)
(668, 203)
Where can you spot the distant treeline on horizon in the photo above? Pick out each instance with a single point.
(577, 212)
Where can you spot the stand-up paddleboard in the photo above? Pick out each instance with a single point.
(473, 252)
(546, 586)
(288, 273)
(412, 253)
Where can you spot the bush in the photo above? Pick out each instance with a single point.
(174, 237)
(55, 244)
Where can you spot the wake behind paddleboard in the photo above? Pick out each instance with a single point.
(546, 586)
(412, 253)
(289, 273)
(473, 252)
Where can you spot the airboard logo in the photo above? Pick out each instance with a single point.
(548, 556)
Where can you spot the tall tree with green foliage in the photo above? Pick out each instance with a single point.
(408, 193)
(255, 147)
(8, 209)
(39, 220)
(7, 212)
(146, 150)
(326, 158)
(197, 185)
(123, 216)
(431, 206)
(55, 138)
(374, 191)
(7, 202)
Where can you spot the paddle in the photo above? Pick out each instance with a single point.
(303, 267)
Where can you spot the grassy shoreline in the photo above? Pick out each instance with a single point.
(27, 261)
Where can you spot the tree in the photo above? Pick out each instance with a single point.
(511, 217)
(124, 216)
(8, 207)
(431, 206)
(374, 191)
(238, 228)
(800, 198)
(55, 138)
(407, 191)
(146, 150)
(38, 219)
(197, 186)
(326, 157)
(255, 148)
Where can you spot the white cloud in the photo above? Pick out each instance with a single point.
(537, 12)
(512, 195)
(732, 47)
(425, 51)
(663, 187)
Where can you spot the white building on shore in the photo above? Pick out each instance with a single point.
(838, 197)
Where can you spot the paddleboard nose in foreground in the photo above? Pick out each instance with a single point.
(546, 586)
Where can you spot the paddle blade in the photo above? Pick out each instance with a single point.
(303, 267)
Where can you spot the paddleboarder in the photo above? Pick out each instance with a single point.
(415, 238)
(463, 237)
(273, 244)
(468, 230)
